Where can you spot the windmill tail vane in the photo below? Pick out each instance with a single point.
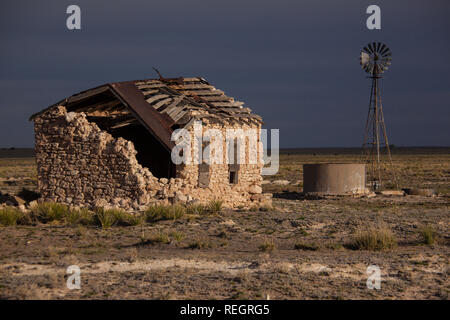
(375, 59)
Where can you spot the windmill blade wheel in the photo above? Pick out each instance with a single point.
(375, 58)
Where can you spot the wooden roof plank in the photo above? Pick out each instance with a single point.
(227, 104)
(150, 86)
(173, 105)
(222, 98)
(175, 111)
(178, 116)
(149, 92)
(192, 86)
(156, 98)
(200, 93)
(87, 94)
(162, 103)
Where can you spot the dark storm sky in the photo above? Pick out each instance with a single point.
(293, 62)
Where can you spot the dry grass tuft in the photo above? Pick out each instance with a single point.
(105, 218)
(50, 212)
(199, 244)
(306, 246)
(164, 212)
(127, 219)
(177, 235)
(81, 216)
(215, 206)
(159, 237)
(10, 216)
(196, 209)
(428, 234)
(267, 246)
(377, 237)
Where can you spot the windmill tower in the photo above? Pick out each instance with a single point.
(375, 58)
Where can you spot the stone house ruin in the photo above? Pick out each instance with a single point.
(111, 146)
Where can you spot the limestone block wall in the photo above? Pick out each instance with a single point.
(246, 192)
(79, 164)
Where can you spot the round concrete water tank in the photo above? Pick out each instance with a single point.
(334, 178)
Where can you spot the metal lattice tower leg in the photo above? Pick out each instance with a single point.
(376, 145)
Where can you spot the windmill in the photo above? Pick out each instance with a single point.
(375, 58)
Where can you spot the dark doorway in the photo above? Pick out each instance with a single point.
(150, 152)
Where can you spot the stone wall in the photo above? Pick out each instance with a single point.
(81, 165)
(246, 192)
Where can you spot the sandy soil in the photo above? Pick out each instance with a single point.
(229, 261)
(230, 264)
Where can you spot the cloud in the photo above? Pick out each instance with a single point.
(293, 62)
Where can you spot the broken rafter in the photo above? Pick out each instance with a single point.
(110, 106)
(177, 116)
(156, 98)
(222, 98)
(173, 105)
(132, 121)
(227, 104)
(151, 85)
(215, 92)
(87, 94)
(162, 103)
(192, 86)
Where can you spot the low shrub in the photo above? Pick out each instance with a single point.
(428, 234)
(378, 237)
(306, 246)
(199, 244)
(164, 212)
(334, 246)
(10, 216)
(56, 212)
(215, 206)
(50, 211)
(177, 235)
(160, 237)
(267, 246)
(124, 218)
(80, 217)
(105, 218)
(195, 209)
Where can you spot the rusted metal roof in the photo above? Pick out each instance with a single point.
(161, 104)
(155, 122)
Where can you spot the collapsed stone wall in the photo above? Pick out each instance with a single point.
(79, 164)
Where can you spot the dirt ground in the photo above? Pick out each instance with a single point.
(299, 249)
